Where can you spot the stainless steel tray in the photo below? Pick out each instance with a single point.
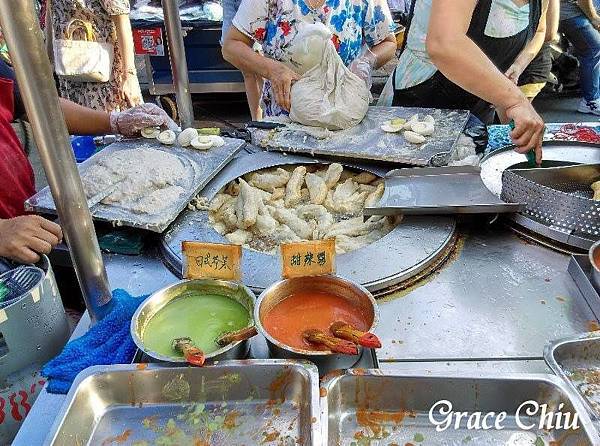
(367, 141)
(438, 190)
(354, 407)
(576, 361)
(580, 270)
(204, 165)
(233, 403)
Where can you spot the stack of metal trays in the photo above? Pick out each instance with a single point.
(559, 200)
(576, 361)
(234, 403)
(353, 406)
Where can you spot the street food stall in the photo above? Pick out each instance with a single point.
(442, 314)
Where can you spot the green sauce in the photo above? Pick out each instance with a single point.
(201, 317)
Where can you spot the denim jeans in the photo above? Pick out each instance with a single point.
(230, 7)
(586, 41)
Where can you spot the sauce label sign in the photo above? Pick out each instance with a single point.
(313, 258)
(211, 261)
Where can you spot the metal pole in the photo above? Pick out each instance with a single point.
(181, 80)
(25, 42)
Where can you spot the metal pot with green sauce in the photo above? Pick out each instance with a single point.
(201, 310)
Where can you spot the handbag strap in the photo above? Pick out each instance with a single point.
(78, 24)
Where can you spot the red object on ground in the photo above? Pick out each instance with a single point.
(16, 175)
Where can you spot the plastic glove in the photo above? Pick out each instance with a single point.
(131, 121)
(363, 66)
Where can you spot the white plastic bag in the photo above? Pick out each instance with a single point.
(308, 46)
(387, 94)
(329, 95)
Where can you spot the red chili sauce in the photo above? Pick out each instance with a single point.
(308, 310)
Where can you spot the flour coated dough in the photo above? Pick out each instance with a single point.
(259, 214)
(246, 206)
(293, 190)
(146, 180)
(317, 188)
(329, 95)
(333, 174)
(270, 180)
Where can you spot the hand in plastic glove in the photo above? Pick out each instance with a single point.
(131, 121)
(24, 238)
(363, 66)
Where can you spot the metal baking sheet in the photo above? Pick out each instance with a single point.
(368, 142)
(580, 270)
(233, 403)
(203, 166)
(354, 408)
(414, 245)
(417, 192)
(576, 360)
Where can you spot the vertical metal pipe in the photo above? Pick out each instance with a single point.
(34, 74)
(179, 69)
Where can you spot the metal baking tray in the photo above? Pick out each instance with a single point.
(580, 270)
(354, 408)
(204, 166)
(576, 361)
(233, 403)
(439, 191)
(367, 141)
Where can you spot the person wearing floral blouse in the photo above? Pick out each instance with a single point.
(362, 32)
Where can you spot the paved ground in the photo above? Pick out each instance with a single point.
(229, 110)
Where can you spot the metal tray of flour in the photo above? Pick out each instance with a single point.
(202, 166)
(233, 403)
(355, 410)
(366, 141)
(576, 361)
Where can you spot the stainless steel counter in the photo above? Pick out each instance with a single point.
(492, 307)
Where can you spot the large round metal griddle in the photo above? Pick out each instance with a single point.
(413, 246)
(556, 153)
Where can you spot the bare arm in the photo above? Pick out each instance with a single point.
(460, 59)
(588, 8)
(130, 85)
(84, 121)
(552, 21)
(384, 50)
(237, 50)
(465, 64)
(532, 48)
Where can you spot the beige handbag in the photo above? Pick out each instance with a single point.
(83, 60)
